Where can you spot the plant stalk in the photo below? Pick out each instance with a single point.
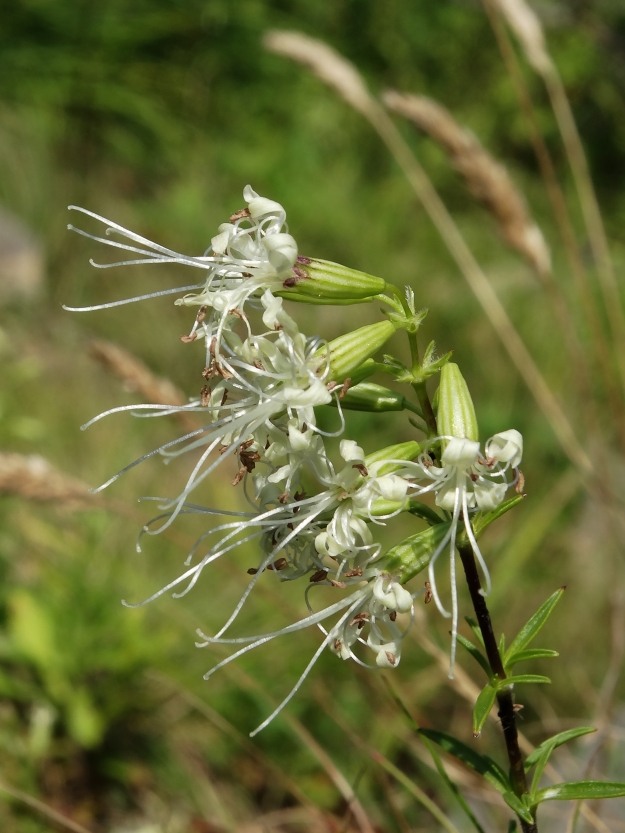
(506, 712)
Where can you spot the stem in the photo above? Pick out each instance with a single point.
(505, 701)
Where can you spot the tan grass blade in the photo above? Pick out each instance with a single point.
(331, 68)
(487, 179)
(34, 478)
(137, 376)
(527, 27)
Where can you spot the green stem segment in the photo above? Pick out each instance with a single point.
(505, 702)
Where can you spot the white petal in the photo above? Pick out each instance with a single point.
(460, 453)
(281, 251)
(506, 447)
(489, 495)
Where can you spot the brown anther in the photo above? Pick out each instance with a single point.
(205, 395)
(201, 315)
(361, 468)
(252, 571)
(221, 370)
(299, 495)
(241, 214)
(339, 584)
(392, 659)
(239, 476)
(213, 346)
(188, 339)
(289, 526)
(427, 461)
(517, 707)
(304, 428)
(332, 386)
(279, 564)
(258, 365)
(337, 645)
(342, 496)
(428, 593)
(520, 484)
(237, 313)
(352, 573)
(209, 371)
(224, 398)
(249, 459)
(320, 575)
(345, 387)
(246, 444)
(392, 615)
(290, 282)
(358, 619)
(302, 274)
(283, 498)
(223, 449)
(474, 477)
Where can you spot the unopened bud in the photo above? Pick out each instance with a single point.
(456, 414)
(347, 353)
(322, 282)
(368, 396)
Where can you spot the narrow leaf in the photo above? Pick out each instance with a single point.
(531, 653)
(534, 624)
(483, 705)
(562, 737)
(476, 654)
(486, 767)
(475, 628)
(502, 645)
(577, 790)
(541, 763)
(522, 678)
(482, 520)
(517, 805)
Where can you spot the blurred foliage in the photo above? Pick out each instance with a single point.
(156, 113)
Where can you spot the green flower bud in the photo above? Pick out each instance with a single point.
(400, 451)
(456, 414)
(368, 396)
(414, 554)
(349, 352)
(322, 282)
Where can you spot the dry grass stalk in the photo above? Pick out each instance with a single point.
(486, 178)
(34, 478)
(136, 376)
(525, 24)
(324, 62)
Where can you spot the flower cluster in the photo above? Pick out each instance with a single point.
(262, 381)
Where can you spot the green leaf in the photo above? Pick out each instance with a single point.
(522, 678)
(476, 654)
(517, 805)
(562, 737)
(512, 826)
(486, 767)
(577, 790)
(421, 510)
(534, 624)
(483, 705)
(475, 628)
(481, 520)
(502, 645)
(531, 653)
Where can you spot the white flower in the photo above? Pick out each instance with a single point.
(463, 482)
(360, 612)
(249, 254)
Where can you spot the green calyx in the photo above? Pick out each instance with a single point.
(322, 282)
(348, 352)
(456, 414)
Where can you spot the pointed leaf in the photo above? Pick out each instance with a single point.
(531, 653)
(562, 737)
(578, 790)
(517, 805)
(481, 520)
(502, 645)
(534, 624)
(476, 654)
(541, 763)
(483, 705)
(475, 628)
(421, 510)
(522, 678)
(486, 767)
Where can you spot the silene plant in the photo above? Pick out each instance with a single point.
(313, 519)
